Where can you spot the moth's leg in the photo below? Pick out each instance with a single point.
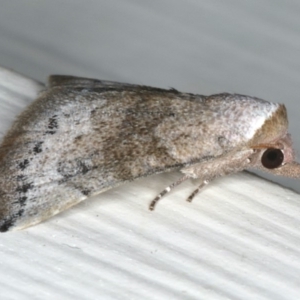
(221, 166)
(207, 171)
(167, 190)
(197, 190)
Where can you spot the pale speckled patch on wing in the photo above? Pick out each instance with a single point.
(216, 124)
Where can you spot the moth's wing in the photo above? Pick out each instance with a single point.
(72, 142)
(64, 148)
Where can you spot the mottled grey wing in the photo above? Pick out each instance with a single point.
(82, 136)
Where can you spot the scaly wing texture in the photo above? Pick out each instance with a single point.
(84, 136)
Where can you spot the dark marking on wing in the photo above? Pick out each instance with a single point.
(8, 223)
(38, 148)
(85, 192)
(70, 169)
(24, 164)
(25, 187)
(22, 200)
(52, 125)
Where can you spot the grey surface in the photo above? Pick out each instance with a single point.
(206, 47)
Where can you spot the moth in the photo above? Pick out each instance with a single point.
(83, 136)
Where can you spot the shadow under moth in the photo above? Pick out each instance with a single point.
(83, 136)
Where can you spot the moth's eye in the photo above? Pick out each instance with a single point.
(272, 158)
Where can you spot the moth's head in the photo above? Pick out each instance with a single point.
(272, 145)
(277, 158)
